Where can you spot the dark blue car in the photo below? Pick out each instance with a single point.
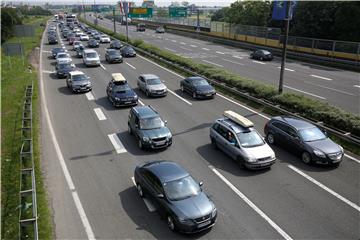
(120, 93)
(63, 69)
(55, 51)
(197, 87)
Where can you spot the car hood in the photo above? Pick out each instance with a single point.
(257, 152)
(61, 60)
(157, 87)
(205, 88)
(193, 207)
(115, 56)
(326, 146)
(66, 70)
(155, 133)
(92, 59)
(124, 94)
(79, 83)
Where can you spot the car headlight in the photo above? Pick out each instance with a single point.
(117, 99)
(169, 136)
(136, 97)
(250, 159)
(145, 139)
(319, 153)
(342, 149)
(185, 221)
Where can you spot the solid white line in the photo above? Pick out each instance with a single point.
(325, 188)
(220, 52)
(99, 113)
(237, 57)
(213, 63)
(188, 49)
(176, 95)
(173, 40)
(46, 71)
(311, 94)
(79, 207)
(352, 158)
(102, 66)
(148, 204)
(251, 204)
(90, 96)
(130, 65)
(233, 62)
(119, 147)
(324, 78)
(206, 49)
(141, 103)
(194, 46)
(162, 67)
(358, 86)
(259, 62)
(336, 90)
(172, 50)
(288, 69)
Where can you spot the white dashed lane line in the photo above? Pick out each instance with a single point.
(287, 69)
(173, 40)
(220, 53)
(99, 113)
(219, 65)
(311, 94)
(181, 98)
(324, 78)
(206, 49)
(227, 60)
(194, 46)
(357, 86)
(119, 147)
(182, 43)
(89, 96)
(329, 88)
(102, 66)
(237, 57)
(47, 71)
(130, 65)
(171, 50)
(258, 62)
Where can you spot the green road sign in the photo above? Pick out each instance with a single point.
(177, 11)
(140, 12)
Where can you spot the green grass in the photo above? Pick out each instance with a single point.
(15, 77)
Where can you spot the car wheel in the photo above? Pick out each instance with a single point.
(194, 95)
(140, 144)
(270, 138)
(129, 129)
(147, 93)
(140, 190)
(213, 143)
(261, 58)
(182, 88)
(170, 223)
(306, 157)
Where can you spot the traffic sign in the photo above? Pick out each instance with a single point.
(177, 11)
(140, 12)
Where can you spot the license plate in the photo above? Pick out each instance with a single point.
(208, 94)
(127, 102)
(204, 224)
(264, 164)
(160, 143)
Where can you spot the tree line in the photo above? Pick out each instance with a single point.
(335, 20)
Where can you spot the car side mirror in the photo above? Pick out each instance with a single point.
(162, 81)
(201, 183)
(136, 125)
(325, 132)
(165, 122)
(160, 195)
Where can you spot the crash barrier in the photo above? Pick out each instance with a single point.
(28, 206)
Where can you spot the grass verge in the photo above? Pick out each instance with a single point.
(15, 77)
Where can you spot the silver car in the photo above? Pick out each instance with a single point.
(151, 85)
(91, 58)
(236, 136)
(78, 82)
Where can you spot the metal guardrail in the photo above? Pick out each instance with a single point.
(28, 206)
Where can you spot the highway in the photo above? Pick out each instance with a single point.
(89, 160)
(335, 86)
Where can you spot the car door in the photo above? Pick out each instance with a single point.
(160, 202)
(141, 83)
(186, 85)
(109, 89)
(68, 80)
(231, 146)
(294, 142)
(279, 132)
(220, 137)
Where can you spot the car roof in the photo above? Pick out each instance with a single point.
(111, 50)
(237, 128)
(76, 73)
(145, 111)
(195, 78)
(166, 171)
(294, 122)
(149, 76)
(89, 51)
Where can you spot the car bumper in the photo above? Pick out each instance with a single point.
(88, 64)
(157, 145)
(158, 94)
(116, 60)
(326, 160)
(130, 55)
(260, 164)
(82, 89)
(125, 103)
(184, 228)
(205, 95)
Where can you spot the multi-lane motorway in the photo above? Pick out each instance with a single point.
(335, 86)
(89, 160)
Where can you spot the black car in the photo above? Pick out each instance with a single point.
(55, 51)
(127, 51)
(120, 93)
(63, 69)
(113, 56)
(198, 87)
(116, 44)
(305, 139)
(52, 40)
(92, 43)
(80, 51)
(261, 55)
(176, 195)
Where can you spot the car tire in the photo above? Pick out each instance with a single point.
(129, 129)
(270, 138)
(261, 58)
(147, 93)
(194, 95)
(140, 144)
(170, 223)
(140, 190)
(213, 143)
(306, 157)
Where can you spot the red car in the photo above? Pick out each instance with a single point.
(71, 40)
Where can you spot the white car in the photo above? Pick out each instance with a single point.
(84, 37)
(104, 39)
(76, 44)
(63, 58)
(78, 34)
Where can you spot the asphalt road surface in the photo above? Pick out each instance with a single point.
(90, 184)
(335, 86)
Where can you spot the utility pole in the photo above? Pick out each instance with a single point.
(126, 19)
(95, 12)
(283, 55)
(84, 10)
(114, 20)
(198, 21)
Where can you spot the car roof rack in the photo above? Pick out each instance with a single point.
(237, 118)
(118, 77)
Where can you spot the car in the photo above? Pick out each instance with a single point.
(92, 43)
(236, 136)
(52, 40)
(76, 44)
(104, 39)
(77, 81)
(72, 40)
(160, 30)
(198, 87)
(151, 85)
(113, 55)
(91, 58)
(149, 129)
(177, 196)
(69, 35)
(97, 36)
(119, 92)
(261, 55)
(78, 33)
(80, 51)
(94, 32)
(84, 37)
(57, 50)
(127, 51)
(140, 27)
(63, 69)
(303, 138)
(65, 33)
(116, 44)
(63, 58)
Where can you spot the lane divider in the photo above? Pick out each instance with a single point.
(90, 96)
(259, 62)
(227, 60)
(213, 63)
(324, 78)
(99, 113)
(119, 147)
(130, 65)
(287, 69)
(298, 90)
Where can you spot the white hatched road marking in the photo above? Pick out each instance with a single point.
(102, 66)
(325, 188)
(148, 203)
(172, 50)
(90, 96)
(130, 65)
(251, 204)
(324, 78)
(99, 113)
(194, 46)
(141, 103)
(206, 49)
(119, 147)
(333, 89)
(227, 60)
(288, 69)
(259, 62)
(213, 63)
(311, 94)
(220, 52)
(47, 71)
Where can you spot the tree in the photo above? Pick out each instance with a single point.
(9, 18)
(162, 12)
(220, 15)
(185, 3)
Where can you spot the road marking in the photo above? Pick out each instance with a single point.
(237, 57)
(352, 158)
(172, 50)
(79, 207)
(182, 43)
(99, 113)
(220, 52)
(325, 188)
(213, 63)
(148, 204)
(44, 51)
(102, 66)
(259, 62)
(166, 39)
(288, 69)
(358, 86)
(188, 49)
(233, 62)
(89, 96)
(206, 49)
(194, 46)
(162, 67)
(251, 204)
(333, 89)
(141, 103)
(46, 71)
(130, 65)
(176, 95)
(311, 94)
(173, 40)
(119, 147)
(66, 50)
(324, 78)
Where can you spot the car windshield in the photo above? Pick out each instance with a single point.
(63, 55)
(64, 66)
(250, 139)
(91, 55)
(79, 77)
(58, 50)
(265, 52)
(128, 49)
(153, 81)
(201, 82)
(151, 123)
(121, 88)
(93, 41)
(181, 189)
(312, 134)
(114, 53)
